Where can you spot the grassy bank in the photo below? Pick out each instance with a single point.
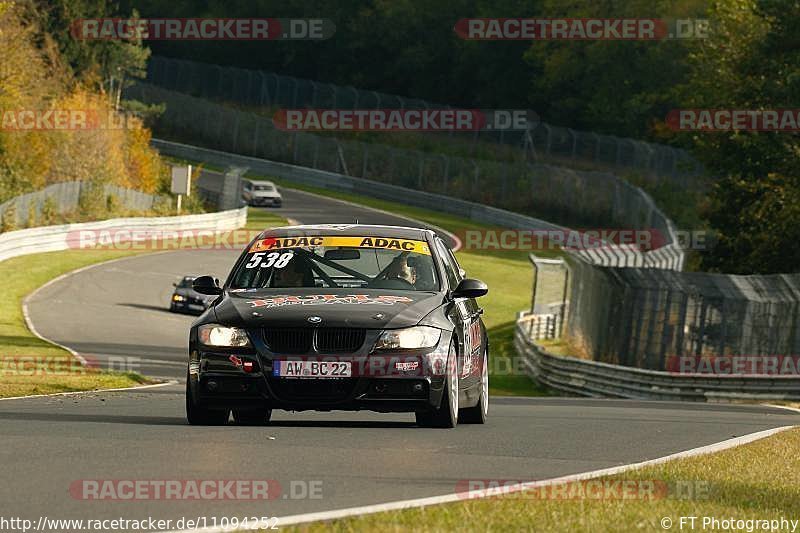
(742, 483)
(29, 365)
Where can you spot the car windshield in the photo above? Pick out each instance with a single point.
(185, 283)
(267, 188)
(346, 262)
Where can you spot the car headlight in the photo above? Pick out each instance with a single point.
(408, 338)
(178, 298)
(216, 335)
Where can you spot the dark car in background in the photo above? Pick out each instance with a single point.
(341, 317)
(186, 299)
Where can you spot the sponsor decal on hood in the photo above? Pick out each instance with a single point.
(328, 299)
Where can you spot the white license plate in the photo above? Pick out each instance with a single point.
(196, 307)
(312, 369)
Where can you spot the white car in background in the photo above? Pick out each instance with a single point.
(260, 192)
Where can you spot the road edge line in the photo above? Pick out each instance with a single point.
(94, 391)
(785, 407)
(26, 315)
(456, 497)
(456, 241)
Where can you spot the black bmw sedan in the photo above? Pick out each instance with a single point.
(341, 317)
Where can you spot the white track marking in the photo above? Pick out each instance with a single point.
(26, 315)
(457, 497)
(786, 407)
(456, 241)
(96, 391)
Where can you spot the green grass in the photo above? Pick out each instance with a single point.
(22, 275)
(259, 219)
(56, 369)
(760, 480)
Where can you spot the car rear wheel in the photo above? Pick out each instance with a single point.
(478, 414)
(446, 416)
(201, 416)
(252, 417)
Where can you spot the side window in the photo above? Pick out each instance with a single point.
(450, 270)
(454, 261)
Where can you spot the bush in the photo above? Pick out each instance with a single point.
(49, 212)
(8, 222)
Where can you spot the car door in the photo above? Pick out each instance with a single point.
(465, 314)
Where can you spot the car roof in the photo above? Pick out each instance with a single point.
(366, 230)
(261, 182)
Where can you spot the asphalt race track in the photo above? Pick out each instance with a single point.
(119, 310)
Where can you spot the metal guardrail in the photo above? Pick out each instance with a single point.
(569, 197)
(57, 238)
(670, 256)
(596, 379)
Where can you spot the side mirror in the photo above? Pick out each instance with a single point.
(470, 288)
(206, 285)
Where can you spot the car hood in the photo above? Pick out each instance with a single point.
(354, 308)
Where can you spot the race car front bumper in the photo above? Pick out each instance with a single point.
(379, 382)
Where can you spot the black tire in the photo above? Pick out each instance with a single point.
(200, 416)
(446, 416)
(252, 417)
(479, 413)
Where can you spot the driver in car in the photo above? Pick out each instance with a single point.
(297, 273)
(399, 269)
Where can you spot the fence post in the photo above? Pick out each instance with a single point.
(446, 171)
(255, 134)
(364, 159)
(548, 142)
(563, 311)
(313, 94)
(235, 133)
(294, 92)
(421, 166)
(574, 142)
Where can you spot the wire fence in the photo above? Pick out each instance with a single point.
(541, 142)
(32, 209)
(647, 318)
(636, 316)
(566, 196)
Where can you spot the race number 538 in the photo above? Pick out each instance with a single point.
(273, 259)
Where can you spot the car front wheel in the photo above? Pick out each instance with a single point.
(446, 416)
(478, 414)
(201, 416)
